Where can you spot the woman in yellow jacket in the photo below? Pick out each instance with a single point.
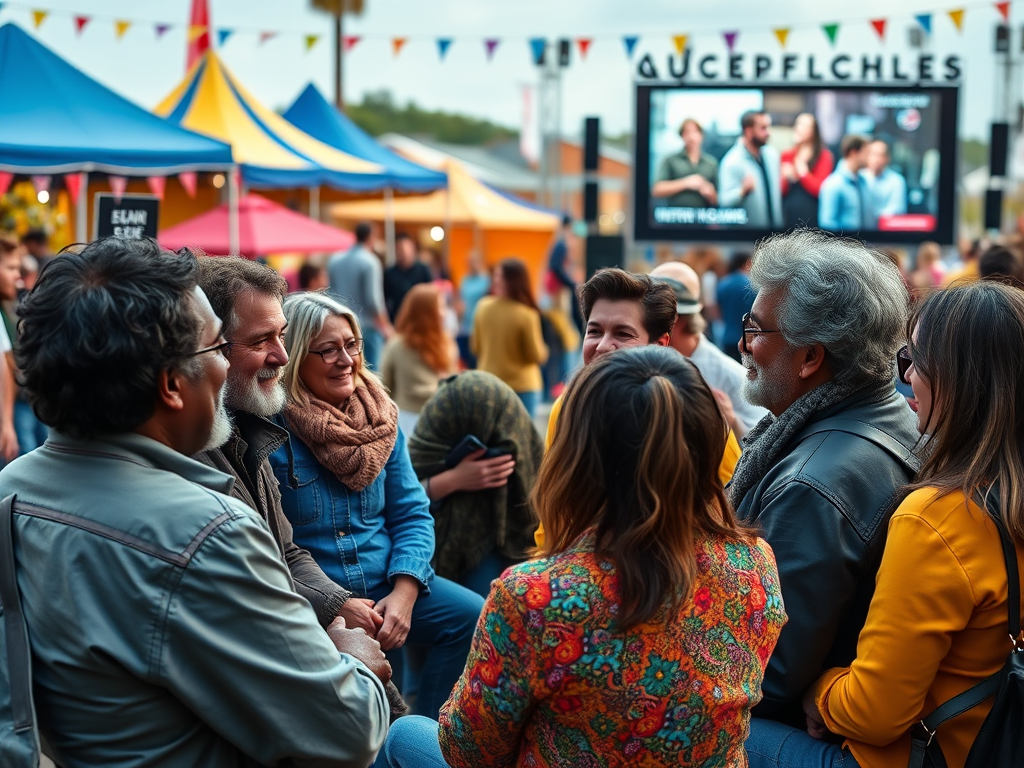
(937, 623)
(507, 336)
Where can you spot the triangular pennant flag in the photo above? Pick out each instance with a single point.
(349, 42)
(537, 48)
(196, 31)
(5, 182)
(680, 43)
(223, 35)
(443, 44)
(490, 45)
(73, 184)
(161, 30)
(584, 46)
(38, 17)
(156, 185)
(958, 19)
(730, 39)
(630, 43)
(925, 20)
(188, 181)
(80, 22)
(879, 25)
(832, 31)
(396, 45)
(782, 35)
(264, 36)
(41, 183)
(120, 27)
(1004, 10)
(311, 40)
(118, 184)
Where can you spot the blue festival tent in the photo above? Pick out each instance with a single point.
(56, 119)
(312, 114)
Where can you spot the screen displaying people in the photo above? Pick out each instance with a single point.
(853, 160)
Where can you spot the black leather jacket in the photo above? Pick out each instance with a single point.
(824, 507)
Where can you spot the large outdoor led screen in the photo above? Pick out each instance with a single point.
(701, 176)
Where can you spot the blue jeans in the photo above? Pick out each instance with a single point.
(31, 431)
(530, 400)
(774, 745)
(411, 743)
(442, 625)
(480, 578)
(373, 346)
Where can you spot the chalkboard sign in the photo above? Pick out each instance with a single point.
(132, 217)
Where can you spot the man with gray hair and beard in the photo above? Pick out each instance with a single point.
(820, 478)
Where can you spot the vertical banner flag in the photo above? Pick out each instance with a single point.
(156, 185)
(73, 184)
(490, 44)
(38, 17)
(1004, 10)
(5, 182)
(120, 27)
(264, 36)
(680, 43)
(782, 35)
(118, 184)
(529, 132)
(41, 183)
(443, 44)
(925, 20)
(630, 43)
(879, 26)
(730, 39)
(832, 32)
(223, 35)
(396, 45)
(188, 181)
(584, 46)
(958, 19)
(311, 40)
(349, 42)
(80, 22)
(537, 46)
(161, 30)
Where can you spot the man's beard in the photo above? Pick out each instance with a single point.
(767, 389)
(250, 397)
(221, 429)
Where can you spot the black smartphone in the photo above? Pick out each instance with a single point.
(493, 453)
(467, 445)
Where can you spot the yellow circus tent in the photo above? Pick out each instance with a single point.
(475, 217)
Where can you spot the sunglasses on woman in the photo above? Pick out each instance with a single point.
(903, 363)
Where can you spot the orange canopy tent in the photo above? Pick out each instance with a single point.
(474, 216)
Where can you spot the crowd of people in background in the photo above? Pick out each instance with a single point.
(324, 527)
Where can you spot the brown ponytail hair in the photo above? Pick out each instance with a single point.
(635, 459)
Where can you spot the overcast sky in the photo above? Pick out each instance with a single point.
(145, 69)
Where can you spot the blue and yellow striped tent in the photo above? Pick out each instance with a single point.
(270, 151)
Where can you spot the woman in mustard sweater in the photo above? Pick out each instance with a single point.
(506, 335)
(937, 623)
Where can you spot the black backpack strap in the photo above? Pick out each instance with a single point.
(19, 655)
(883, 440)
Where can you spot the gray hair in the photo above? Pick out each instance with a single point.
(835, 292)
(306, 314)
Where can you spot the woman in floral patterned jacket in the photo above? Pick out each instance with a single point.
(640, 636)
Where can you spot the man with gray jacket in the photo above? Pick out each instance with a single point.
(164, 626)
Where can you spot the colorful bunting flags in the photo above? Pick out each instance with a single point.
(1004, 10)
(73, 184)
(396, 45)
(5, 182)
(832, 32)
(490, 44)
(161, 30)
(925, 20)
(38, 17)
(958, 19)
(879, 25)
(443, 44)
(730, 39)
(223, 35)
(264, 36)
(537, 47)
(188, 181)
(680, 43)
(782, 35)
(118, 185)
(156, 185)
(80, 22)
(630, 43)
(120, 27)
(41, 183)
(584, 45)
(311, 40)
(349, 42)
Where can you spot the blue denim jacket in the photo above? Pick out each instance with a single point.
(361, 539)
